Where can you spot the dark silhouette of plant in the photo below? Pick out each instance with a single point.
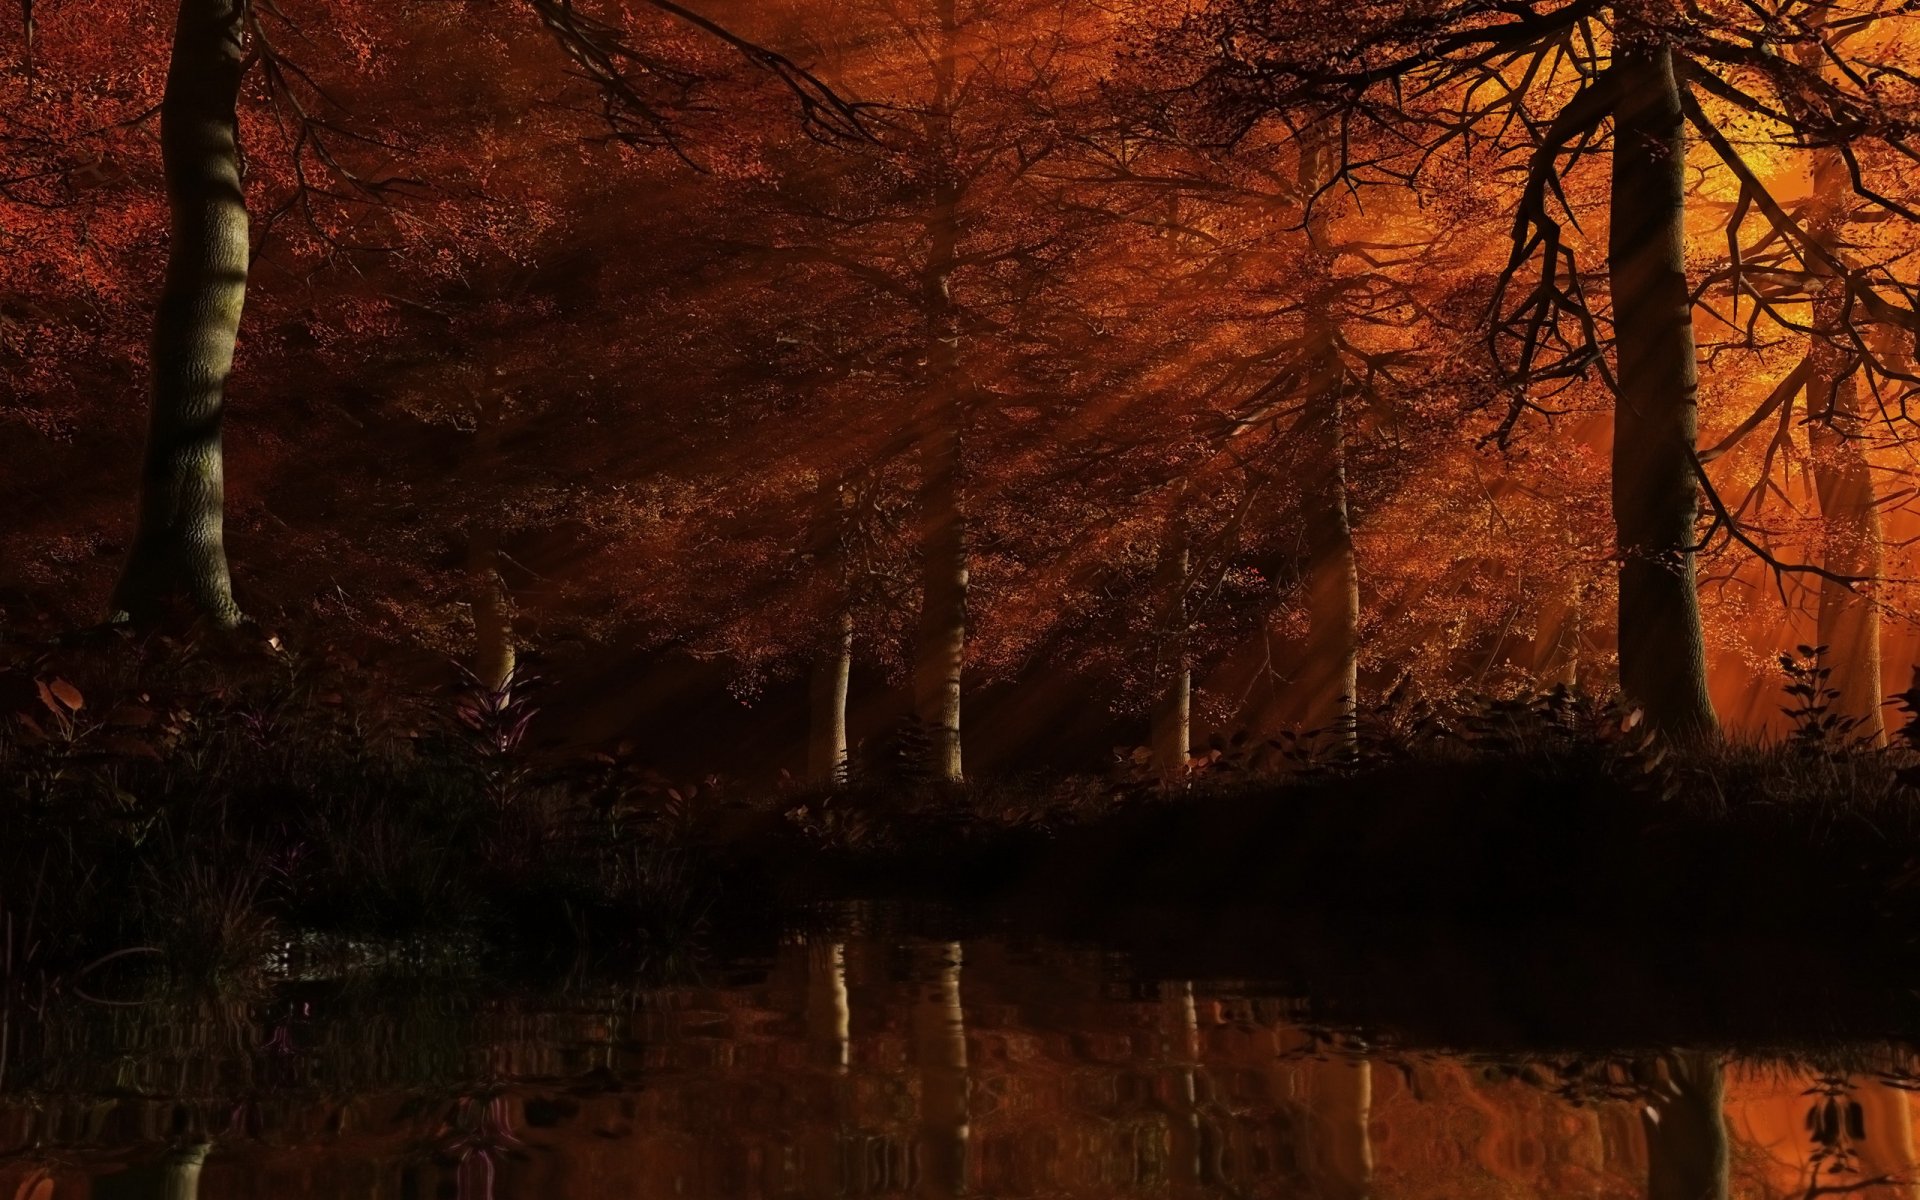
(1818, 728)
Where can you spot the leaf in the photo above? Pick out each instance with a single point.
(131, 716)
(67, 694)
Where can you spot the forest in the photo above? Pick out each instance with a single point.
(569, 409)
(557, 548)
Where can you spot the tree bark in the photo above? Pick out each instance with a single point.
(178, 549)
(1849, 621)
(827, 730)
(1171, 736)
(943, 540)
(1655, 493)
(1330, 673)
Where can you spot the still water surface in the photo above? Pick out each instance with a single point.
(904, 1067)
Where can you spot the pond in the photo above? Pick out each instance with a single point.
(850, 1063)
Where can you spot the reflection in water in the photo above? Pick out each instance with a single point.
(1686, 1127)
(828, 1020)
(940, 1052)
(870, 1068)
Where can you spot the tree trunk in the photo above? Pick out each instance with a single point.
(943, 539)
(494, 656)
(1556, 639)
(827, 731)
(1849, 626)
(1329, 677)
(1686, 1128)
(1849, 619)
(1655, 494)
(488, 599)
(178, 546)
(1172, 739)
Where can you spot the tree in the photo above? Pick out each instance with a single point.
(1465, 74)
(179, 548)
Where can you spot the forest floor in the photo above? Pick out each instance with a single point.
(1521, 869)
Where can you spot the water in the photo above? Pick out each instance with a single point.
(848, 1066)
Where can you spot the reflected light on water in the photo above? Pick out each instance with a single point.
(876, 1067)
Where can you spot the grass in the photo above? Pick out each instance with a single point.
(204, 806)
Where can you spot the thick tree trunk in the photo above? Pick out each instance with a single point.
(1330, 673)
(1172, 738)
(827, 729)
(1655, 494)
(1686, 1128)
(178, 549)
(1849, 626)
(494, 656)
(941, 652)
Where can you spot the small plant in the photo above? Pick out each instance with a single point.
(1817, 728)
(492, 722)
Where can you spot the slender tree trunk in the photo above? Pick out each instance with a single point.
(489, 601)
(827, 732)
(1556, 639)
(178, 548)
(1655, 494)
(940, 1051)
(1330, 674)
(1686, 1128)
(1849, 618)
(1172, 737)
(494, 655)
(943, 542)
(1849, 626)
